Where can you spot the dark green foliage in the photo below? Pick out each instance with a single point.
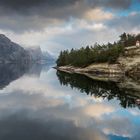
(85, 56)
(129, 39)
(97, 53)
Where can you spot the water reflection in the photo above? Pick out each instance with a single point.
(106, 90)
(11, 72)
(20, 127)
(35, 106)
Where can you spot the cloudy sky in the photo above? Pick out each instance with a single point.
(63, 24)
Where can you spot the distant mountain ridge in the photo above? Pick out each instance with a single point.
(39, 56)
(49, 57)
(11, 52)
(35, 54)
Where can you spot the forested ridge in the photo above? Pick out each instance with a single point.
(97, 53)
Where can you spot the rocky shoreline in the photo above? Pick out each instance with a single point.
(130, 83)
(102, 72)
(126, 66)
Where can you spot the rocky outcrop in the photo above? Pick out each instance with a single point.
(127, 65)
(101, 72)
(11, 52)
(102, 68)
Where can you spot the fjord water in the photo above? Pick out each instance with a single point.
(41, 103)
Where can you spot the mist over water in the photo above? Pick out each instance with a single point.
(39, 102)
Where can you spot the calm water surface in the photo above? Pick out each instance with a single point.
(43, 104)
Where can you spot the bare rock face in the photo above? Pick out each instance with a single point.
(11, 52)
(130, 64)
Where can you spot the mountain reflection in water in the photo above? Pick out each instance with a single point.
(35, 106)
(11, 72)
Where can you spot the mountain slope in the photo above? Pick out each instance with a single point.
(11, 52)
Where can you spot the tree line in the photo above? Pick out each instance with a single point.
(97, 53)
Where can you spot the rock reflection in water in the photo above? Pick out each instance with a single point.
(106, 90)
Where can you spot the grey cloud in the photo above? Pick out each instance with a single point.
(34, 3)
(20, 120)
(33, 6)
(24, 15)
(20, 24)
(20, 16)
(127, 23)
(16, 5)
(117, 4)
(19, 126)
(43, 122)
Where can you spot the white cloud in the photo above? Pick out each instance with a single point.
(98, 110)
(98, 15)
(133, 13)
(113, 126)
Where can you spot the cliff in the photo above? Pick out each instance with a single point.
(11, 52)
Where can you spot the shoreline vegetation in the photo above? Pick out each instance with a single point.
(104, 62)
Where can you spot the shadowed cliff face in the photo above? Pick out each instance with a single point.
(127, 95)
(11, 52)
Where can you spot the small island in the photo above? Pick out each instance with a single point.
(112, 61)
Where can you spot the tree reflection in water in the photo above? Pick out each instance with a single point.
(106, 90)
